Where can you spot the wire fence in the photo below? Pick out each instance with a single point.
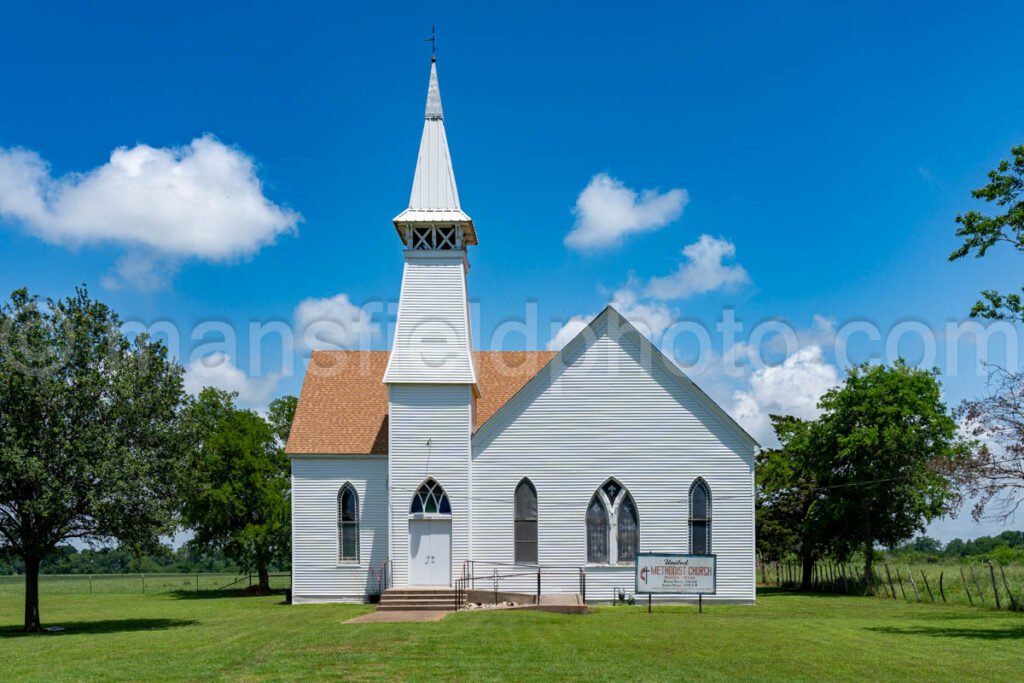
(84, 584)
(986, 584)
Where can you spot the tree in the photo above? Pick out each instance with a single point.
(981, 232)
(786, 493)
(886, 445)
(994, 473)
(281, 414)
(88, 432)
(237, 500)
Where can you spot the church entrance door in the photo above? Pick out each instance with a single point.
(430, 552)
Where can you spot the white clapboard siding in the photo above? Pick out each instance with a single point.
(442, 414)
(317, 575)
(432, 335)
(614, 409)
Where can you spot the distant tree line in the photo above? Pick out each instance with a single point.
(1005, 548)
(67, 559)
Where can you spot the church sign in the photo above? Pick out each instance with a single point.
(675, 573)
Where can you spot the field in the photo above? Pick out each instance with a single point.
(223, 635)
(83, 584)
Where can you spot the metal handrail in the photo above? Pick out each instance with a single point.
(466, 583)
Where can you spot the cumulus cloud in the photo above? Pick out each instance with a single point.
(203, 200)
(791, 388)
(219, 370)
(644, 303)
(702, 270)
(334, 322)
(607, 211)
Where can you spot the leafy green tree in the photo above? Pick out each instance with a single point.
(885, 447)
(281, 414)
(237, 499)
(786, 494)
(980, 232)
(88, 432)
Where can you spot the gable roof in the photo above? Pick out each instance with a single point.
(343, 405)
(609, 314)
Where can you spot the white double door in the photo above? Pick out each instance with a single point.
(430, 552)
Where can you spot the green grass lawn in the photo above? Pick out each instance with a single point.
(785, 636)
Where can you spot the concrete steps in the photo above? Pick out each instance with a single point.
(417, 599)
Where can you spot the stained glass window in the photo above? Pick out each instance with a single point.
(430, 499)
(628, 532)
(597, 531)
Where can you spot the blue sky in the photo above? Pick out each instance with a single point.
(823, 150)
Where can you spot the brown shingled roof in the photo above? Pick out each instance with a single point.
(343, 407)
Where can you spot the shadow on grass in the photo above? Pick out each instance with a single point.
(102, 626)
(221, 594)
(1008, 633)
(773, 591)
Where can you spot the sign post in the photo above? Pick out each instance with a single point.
(676, 574)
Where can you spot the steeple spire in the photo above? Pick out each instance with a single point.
(434, 200)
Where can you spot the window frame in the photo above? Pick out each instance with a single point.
(350, 526)
(525, 485)
(612, 509)
(706, 520)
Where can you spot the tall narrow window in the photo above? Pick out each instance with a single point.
(700, 518)
(348, 524)
(628, 530)
(597, 531)
(526, 523)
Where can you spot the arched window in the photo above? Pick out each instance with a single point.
(597, 531)
(348, 524)
(525, 523)
(628, 532)
(612, 509)
(430, 499)
(700, 518)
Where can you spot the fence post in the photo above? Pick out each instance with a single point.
(899, 577)
(977, 585)
(90, 584)
(966, 589)
(942, 590)
(197, 582)
(929, 588)
(538, 585)
(913, 585)
(891, 587)
(995, 588)
(1013, 601)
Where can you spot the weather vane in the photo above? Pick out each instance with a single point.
(433, 42)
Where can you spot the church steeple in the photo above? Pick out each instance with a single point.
(434, 219)
(432, 342)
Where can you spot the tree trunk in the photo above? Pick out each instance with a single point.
(32, 594)
(869, 551)
(264, 586)
(808, 572)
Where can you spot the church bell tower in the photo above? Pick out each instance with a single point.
(430, 375)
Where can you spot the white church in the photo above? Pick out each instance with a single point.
(417, 466)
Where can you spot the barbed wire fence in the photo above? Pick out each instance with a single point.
(974, 584)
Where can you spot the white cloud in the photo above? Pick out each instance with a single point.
(203, 200)
(334, 322)
(607, 211)
(792, 388)
(568, 331)
(701, 271)
(219, 370)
